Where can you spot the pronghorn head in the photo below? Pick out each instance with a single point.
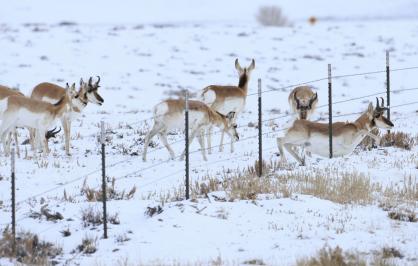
(305, 100)
(376, 117)
(231, 126)
(244, 73)
(90, 91)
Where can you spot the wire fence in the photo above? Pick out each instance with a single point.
(136, 172)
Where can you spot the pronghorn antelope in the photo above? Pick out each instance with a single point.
(4, 93)
(52, 93)
(225, 99)
(302, 101)
(169, 115)
(346, 136)
(22, 111)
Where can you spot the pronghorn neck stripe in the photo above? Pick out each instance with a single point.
(243, 80)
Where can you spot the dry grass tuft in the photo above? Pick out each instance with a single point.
(329, 184)
(29, 249)
(272, 16)
(400, 140)
(333, 257)
(93, 195)
(88, 245)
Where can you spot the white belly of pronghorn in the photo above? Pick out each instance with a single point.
(176, 120)
(341, 145)
(25, 118)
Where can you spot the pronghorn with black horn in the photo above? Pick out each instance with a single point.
(302, 101)
(88, 92)
(169, 115)
(26, 112)
(346, 136)
(226, 99)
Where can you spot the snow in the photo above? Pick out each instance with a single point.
(144, 51)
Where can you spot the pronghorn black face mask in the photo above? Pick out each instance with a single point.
(91, 92)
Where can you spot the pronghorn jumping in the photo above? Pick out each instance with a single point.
(52, 93)
(302, 101)
(169, 115)
(346, 136)
(21, 111)
(225, 99)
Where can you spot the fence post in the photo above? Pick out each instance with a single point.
(186, 130)
(260, 131)
(330, 110)
(104, 192)
(12, 166)
(388, 85)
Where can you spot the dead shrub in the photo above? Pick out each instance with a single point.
(47, 213)
(272, 16)
(88, 245)
(333, 257)
(330, 184)
(399, 139)
(93, 195)
(91, 216)
(29, 249)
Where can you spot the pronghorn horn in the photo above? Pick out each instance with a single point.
(52, 133)
(81, 81)
(377, 103)
(90, 80)
(297, 101)
(383, 101)
(98, 80)
(313, 98)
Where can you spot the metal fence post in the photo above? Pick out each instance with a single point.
(12, 166)
(186, 116)
(388, 85)
(104, 192)
(330, 110)
(260, 131)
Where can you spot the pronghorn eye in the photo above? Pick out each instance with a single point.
(235, 126)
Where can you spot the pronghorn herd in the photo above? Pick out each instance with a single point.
(39, 112)
(218, 106)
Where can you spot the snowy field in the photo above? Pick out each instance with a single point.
(143, 58)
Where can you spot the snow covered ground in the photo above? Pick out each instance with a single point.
(146, 52)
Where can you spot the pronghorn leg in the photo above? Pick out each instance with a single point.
(280, 147)
(209, 140)
(201, 140)
(192, 136)
(163, 137)
(41, 133)
(16, 143)
(288, 147)
(232, 144)
(221, 146)
(376, 138)
(66, 124)
(32, 139)
(155, 129)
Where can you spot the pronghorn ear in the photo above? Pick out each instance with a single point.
(237, 65)
(252, 66)
(67, 86)
(370, 110)
(81, 82)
